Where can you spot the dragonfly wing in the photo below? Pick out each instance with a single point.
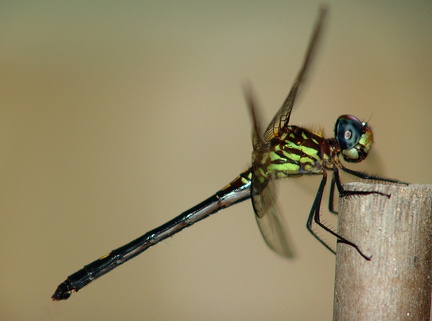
(268, 219)
(258, 143)
(263, 189)
(281, 119)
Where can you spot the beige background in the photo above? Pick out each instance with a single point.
(115, 117)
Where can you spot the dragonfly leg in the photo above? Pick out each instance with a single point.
(343, 192)
(315, 215)
(335, 182)
(331, 206)
(363, 175)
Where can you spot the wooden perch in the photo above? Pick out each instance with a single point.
(396, 283)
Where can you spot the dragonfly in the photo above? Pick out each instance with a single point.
(280, 151)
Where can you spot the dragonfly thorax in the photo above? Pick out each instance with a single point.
(296, 151)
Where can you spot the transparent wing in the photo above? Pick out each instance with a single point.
(263, 190)
(281, 119)
(268, 219)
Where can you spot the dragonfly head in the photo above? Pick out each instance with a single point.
(355, 138)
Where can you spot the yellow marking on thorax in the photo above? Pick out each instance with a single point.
(288, 168)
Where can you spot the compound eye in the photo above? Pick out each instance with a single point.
(348, 131)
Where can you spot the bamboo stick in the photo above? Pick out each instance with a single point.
(397, 232)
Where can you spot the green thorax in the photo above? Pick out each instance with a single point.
(296, 151)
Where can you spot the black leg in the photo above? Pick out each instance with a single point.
(343, 192)
(331, 196)
(315, 215)
(371, 177)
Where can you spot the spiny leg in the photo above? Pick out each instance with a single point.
(317, 200)
(331, 197)
(342, 192)
(315, 215)
(335, 182)
(371, 177)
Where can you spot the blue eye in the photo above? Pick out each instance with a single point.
(348, 131)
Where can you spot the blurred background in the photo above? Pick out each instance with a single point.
(117, 116)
